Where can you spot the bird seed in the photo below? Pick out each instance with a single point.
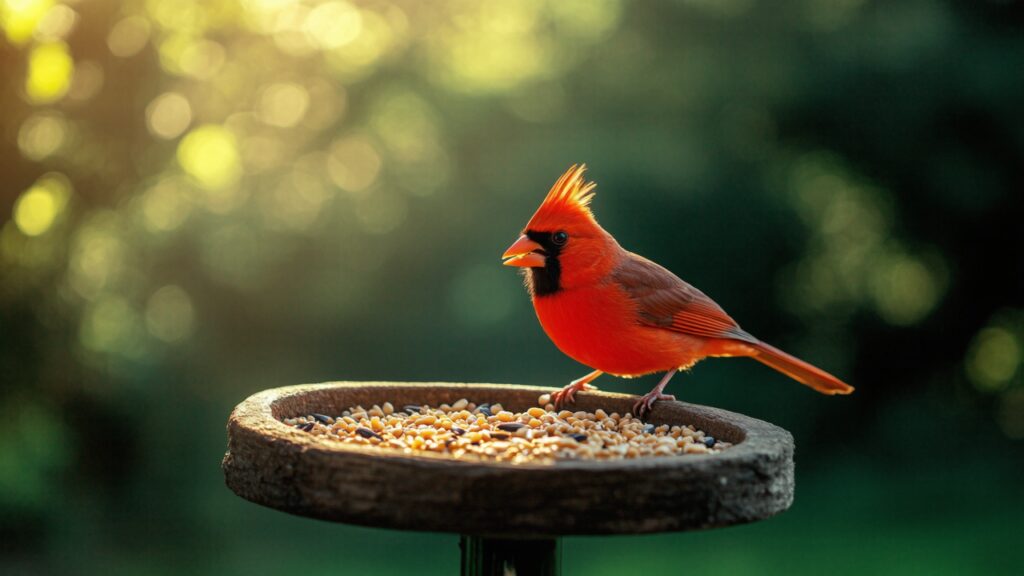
(467, 430)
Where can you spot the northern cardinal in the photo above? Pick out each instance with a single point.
(620, 313)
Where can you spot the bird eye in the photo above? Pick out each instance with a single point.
(560, 238)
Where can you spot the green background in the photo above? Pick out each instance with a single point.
(201, 200)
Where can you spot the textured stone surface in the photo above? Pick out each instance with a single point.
(278, 466)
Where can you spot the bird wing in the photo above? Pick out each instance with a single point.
(666, 301)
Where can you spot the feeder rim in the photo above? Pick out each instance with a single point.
(760, 437)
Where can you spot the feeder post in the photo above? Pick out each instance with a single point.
(482, 556)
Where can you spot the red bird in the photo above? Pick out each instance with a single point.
(620, 313)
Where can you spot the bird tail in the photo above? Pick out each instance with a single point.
(799, 370)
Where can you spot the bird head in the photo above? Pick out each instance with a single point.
(563, 246)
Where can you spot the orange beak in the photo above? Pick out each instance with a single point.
(524, 253)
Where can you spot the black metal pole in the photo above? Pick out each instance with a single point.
(482, 556)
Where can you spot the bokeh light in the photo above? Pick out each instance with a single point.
(168, 115)
(128, 36)
(996, 357)
(21, 17)
(165, 205)
(87, 80)
(56, 23)
(38, 208)
(50, 67)
(42, 134)
(855, 258)
(209, 154)
(283, 105)
(353, 163)
(331, 25)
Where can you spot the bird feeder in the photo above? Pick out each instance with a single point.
(509, 516)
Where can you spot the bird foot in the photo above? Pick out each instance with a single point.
(646, 402)
(567, 395)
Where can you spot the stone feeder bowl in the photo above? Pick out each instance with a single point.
(509, 516)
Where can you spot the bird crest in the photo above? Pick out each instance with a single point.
(568, 200)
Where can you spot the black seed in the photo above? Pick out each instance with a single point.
(649, 428)
(305, 427)
(578, 437)
(484, 409)
(367, 433)
(709, 441)
(321, 417)
(458, 431)
(511, 426)
(500, 435)
(411, 409)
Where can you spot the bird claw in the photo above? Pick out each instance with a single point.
(567, 395)
(643, 406)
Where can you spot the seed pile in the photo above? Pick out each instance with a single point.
(488, 431)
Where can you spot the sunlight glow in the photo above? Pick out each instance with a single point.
(55, 24)
(209, 154)
(202, 59)
(168, 115)
(186, 55)
(49, 73)
(493, 47)
(333, 24)
(359, 57)
(289, 31)
(38, 207)
(588, 19)
(19, 18)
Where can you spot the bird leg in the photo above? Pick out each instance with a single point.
(644, 404)
(567, 395)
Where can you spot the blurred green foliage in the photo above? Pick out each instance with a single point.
(205, 199)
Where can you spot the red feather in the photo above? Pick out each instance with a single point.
(666, 301)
